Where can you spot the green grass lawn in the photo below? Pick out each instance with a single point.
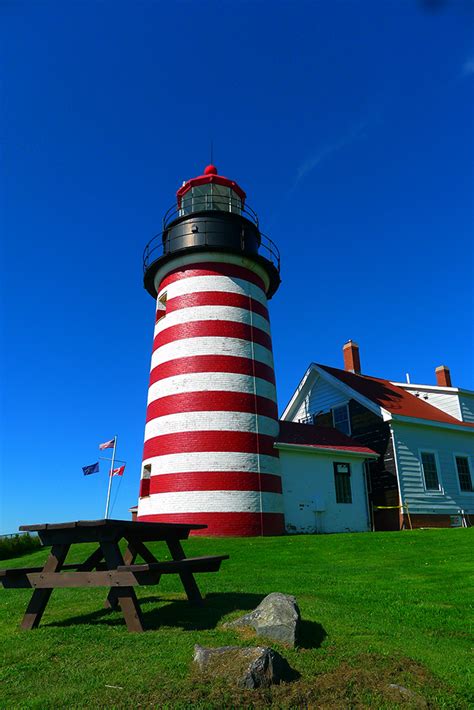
(378, 608)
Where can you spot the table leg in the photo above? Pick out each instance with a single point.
(40, 597)
(112, 601)
(126, 596)
(187, 578)
(141, 550)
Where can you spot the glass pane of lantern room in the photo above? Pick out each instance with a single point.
(220, 198)
(186, 204)
(236, 202)
(201, 198)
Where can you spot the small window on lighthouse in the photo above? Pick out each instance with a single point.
(161, 307)
(145, 482)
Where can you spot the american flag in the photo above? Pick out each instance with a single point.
(107, 445)
(118, 471)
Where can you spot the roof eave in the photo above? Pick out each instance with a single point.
(434, 388)
(432, 423)
(314, 448)
(314, 369)
(353, 394)
(298, 394)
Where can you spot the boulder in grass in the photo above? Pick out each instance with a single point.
(250, 667)
(400, 693)
(277, 617)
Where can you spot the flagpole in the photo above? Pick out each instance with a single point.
(110, 480)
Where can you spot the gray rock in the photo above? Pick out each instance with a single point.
(402, 693)
(277, 617)
(250, 667)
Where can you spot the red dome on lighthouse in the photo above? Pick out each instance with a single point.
(210, 170)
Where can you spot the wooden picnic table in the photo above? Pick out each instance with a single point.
(106, 567)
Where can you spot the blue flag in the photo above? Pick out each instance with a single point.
(93, 468)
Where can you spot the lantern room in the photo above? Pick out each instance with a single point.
(210, 214)
(210, 191)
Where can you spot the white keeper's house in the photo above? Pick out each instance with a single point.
(423, 435)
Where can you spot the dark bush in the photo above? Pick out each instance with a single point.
(17, 545)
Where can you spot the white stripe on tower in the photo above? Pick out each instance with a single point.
(201, 382)
(210, 421)
(212, 461)
(202, 502)
(212, 417)
(197, 284)
(221, 313)
(209, 345)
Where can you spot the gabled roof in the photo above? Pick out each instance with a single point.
(318, 437)
(392, 398)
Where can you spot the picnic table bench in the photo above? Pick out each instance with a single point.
(106, 567)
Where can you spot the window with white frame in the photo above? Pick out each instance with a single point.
(340, 417)
(342, 482)
(430, 471)
(464, 473)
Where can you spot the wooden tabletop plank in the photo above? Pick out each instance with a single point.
(110, 531)
(123, 524)
(42, 526)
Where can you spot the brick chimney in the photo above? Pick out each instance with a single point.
(443, 376)
(351, 357)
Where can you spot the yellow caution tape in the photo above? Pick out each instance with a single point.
(388, 507)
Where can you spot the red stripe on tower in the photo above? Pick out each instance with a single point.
(216, 480)
(210, 328)
(216, 298)
(212, 363)
(226, 524)
(204, 441)
(211, 402)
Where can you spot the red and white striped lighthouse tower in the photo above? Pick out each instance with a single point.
(212, 418)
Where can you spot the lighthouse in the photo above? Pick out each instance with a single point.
(212, 419)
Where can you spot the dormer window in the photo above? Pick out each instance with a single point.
(340, 417)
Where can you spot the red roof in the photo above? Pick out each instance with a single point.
(318, 437)
(395, 400)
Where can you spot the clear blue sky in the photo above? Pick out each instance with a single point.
(349, 124)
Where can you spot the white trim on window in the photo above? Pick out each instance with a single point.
(346, 407)
(440, 489)
(464, 455)
(342, 483)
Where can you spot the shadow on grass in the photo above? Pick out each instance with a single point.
(311, 634)
(177, 612)
(180, 614)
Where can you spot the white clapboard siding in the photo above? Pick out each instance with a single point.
(321, 398)
(409, 440)
(467, 407)
(445, 401)
(324, 397)
(303, 411)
